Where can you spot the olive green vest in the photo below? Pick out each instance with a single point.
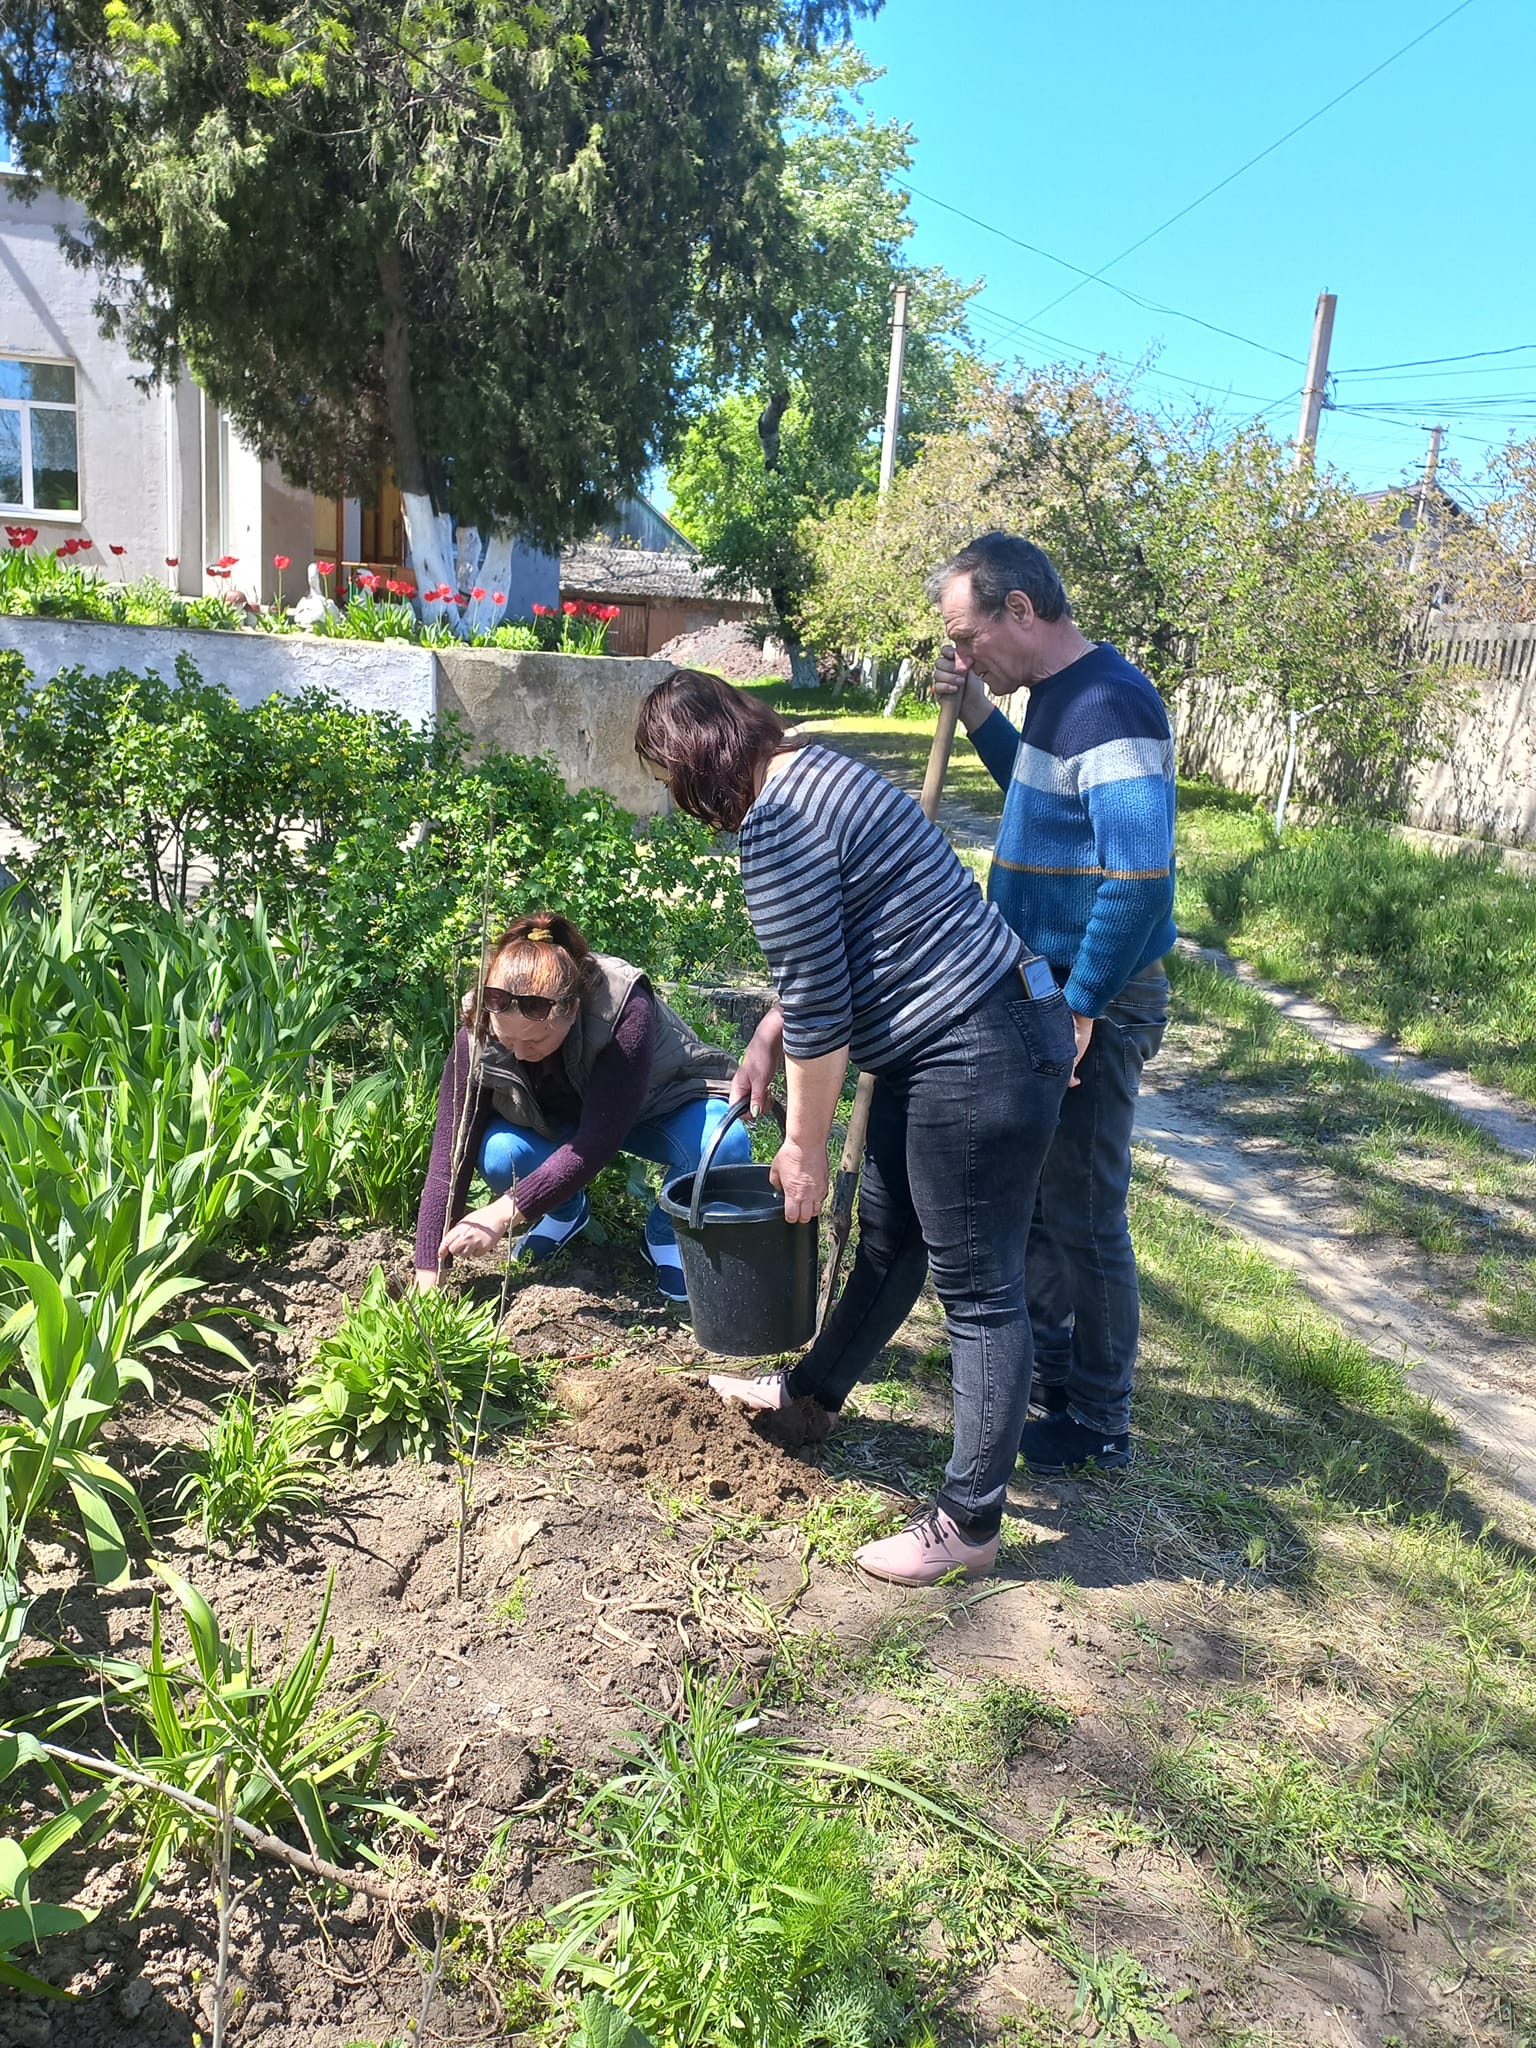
(683, 1067)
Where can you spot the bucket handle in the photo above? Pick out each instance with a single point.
(733, 1115)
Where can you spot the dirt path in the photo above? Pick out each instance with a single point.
(1380, 1295)
(1505, 1118)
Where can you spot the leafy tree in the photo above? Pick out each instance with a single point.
(1065, 455)
(1249, 587)
(1483, 566)
(796, 427)
(487, 242)
(1296, 611)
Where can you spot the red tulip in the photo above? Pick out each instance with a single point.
(82, 544)
(543, 611)
(112, 544)
(173, 561)
(570, 609)
(282, 561)
(395, 589)
(478, 593)
(498, 597)
(62, 553)
(325, 568)
(228, 561)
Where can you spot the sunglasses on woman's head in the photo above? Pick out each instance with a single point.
(535, 1008)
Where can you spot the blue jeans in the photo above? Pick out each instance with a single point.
(676, 1140)
(1084, 1303)
(957, 1134)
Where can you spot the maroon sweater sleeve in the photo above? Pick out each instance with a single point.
(610, 1108)
(464, 1109)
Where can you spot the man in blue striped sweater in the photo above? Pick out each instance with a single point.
(1083, 871)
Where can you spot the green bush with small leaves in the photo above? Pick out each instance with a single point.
(415, 1378)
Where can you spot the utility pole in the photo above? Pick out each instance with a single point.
(893, 391)
(1315, 390)
(1421, 500)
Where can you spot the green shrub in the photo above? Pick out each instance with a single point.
(385, 847)
(414, 1377)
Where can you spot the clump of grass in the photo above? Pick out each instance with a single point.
(253, 1462)
(410, 1378)
(853, 1516)
(730, 1903)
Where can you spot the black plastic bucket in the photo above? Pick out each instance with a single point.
(752, 1277)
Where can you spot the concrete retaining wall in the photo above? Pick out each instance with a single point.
(1484, 788)
(578, 708)
(384, 675)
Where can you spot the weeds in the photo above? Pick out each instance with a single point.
(254, 1461)
(395, 1376)
(731, 1904)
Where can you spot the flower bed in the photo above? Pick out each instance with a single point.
(58, 585)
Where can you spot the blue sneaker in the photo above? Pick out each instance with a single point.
(668, 1261)
(549, 1235)
(1063, 1444)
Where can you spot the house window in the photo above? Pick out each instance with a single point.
(39, 447)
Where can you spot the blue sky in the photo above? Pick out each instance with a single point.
(1080, 127)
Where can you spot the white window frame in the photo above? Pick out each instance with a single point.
(25, 407)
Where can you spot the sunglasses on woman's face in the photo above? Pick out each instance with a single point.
(499, 1001)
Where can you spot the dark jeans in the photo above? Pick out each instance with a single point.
(1084, 1303)
(957, 1134)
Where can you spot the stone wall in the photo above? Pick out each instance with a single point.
(578, 708)
(1484, 787)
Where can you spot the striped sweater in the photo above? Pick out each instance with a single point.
(876, 936)
(1083, 868)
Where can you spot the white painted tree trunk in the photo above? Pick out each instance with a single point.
(487, 571)
(442, 554)
(430, 554)
(903, 673)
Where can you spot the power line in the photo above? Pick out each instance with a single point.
(1136, 298)
(1097, 276)
(1429, 362)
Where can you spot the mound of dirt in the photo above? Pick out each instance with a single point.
(638, 1424)
(729, 651)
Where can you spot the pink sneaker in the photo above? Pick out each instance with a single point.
(769, 1392)
(927, 1551)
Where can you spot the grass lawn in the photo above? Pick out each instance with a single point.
(1406, 1165)
(1284, 1664)
(1440, 951)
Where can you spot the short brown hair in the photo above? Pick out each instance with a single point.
(542, 954)
(710, 740)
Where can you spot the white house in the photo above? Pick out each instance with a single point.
(160, 474)
(84, 452)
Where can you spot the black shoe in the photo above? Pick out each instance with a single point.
(1062, 1444)
(1048, 1398)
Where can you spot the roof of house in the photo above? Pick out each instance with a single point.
(597, 569)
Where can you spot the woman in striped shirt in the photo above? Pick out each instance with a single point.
(882, 948)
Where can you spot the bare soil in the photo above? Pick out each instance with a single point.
(650, 1530)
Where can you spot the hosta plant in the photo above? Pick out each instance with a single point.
(411, 1378)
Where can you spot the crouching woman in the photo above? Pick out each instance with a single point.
(567, 1058)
